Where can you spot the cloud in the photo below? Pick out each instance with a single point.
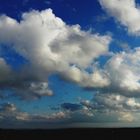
(112, 103)
(127, 12)
(64, 44)
(12, 117)
(119, 101)
(126, 117)
(119, 75)
(123, 72)
(50, 46)
(5, 71)
(96, 79)
(40, 88)
(32, 90)
(112, 107)
(115, 102)
(11, 114)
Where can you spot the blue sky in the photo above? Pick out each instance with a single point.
(64, 61)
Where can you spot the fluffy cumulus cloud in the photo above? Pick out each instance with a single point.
(127, 12)
(47, 42)
(123, 71)
(120, 99)
(97, 79)
(120, 75)
(50, 46)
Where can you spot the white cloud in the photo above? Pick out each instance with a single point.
(127, 12)
(120, 74)
(40, 88)
(123, 70)
(115, 102)
(51, 46)
(46, 41)
(96, 79)
(126, 117)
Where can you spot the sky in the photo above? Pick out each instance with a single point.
(69, 63)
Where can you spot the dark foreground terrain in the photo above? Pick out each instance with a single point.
(72, 134)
